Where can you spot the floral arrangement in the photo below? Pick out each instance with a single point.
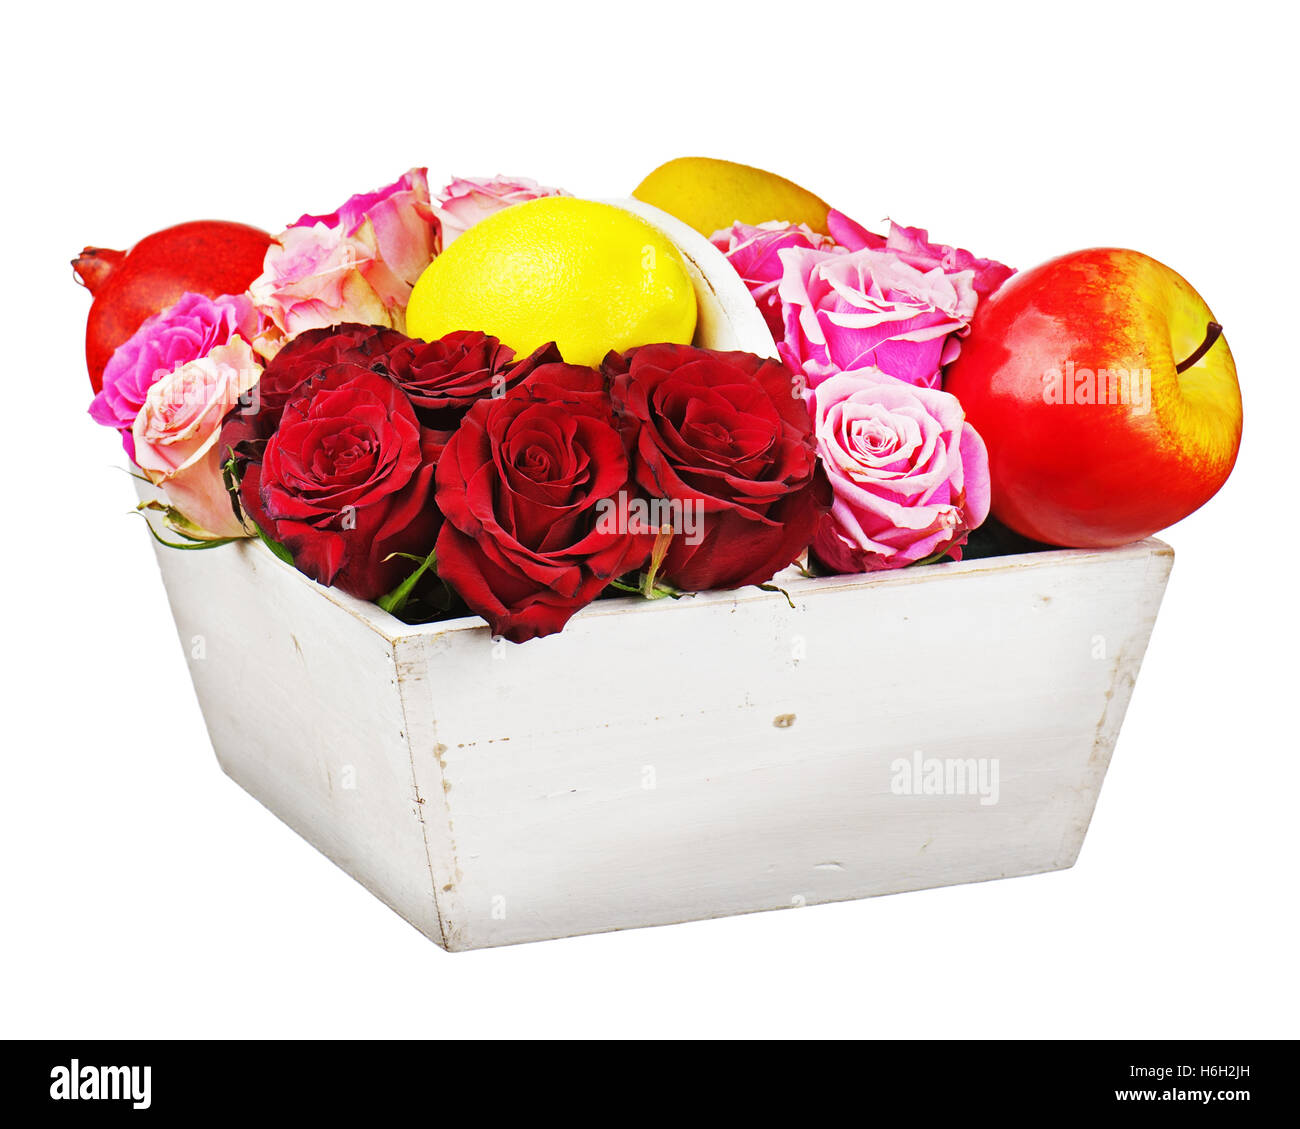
(452, 475)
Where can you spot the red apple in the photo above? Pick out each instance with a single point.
(1107, 397)
(211, 257)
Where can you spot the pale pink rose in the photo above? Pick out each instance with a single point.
(315, 277)
(185, 331)
(754, 250)
(396, 222)
(910, 476)
(177, 431)
(913, 246)
(356, 264)
(466, 200)
(869, 309)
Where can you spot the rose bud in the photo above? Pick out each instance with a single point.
(524, 483)
(726, 439)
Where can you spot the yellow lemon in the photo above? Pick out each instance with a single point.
(710, 195)
(590, 277)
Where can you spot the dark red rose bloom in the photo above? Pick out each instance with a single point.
(248, 427)
(526, 484)
(444, 377)
(346, 480)
(724, 435)
(310, 352)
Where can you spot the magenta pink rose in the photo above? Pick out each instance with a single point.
(910, 476)
(755, 252)
(913, 246)
(356, 264)
(869, 309)
(466, 200)
(176, 436)
(184, 332)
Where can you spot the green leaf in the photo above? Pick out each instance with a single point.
(278, 549)
(659, 591)
(230, 480)
(190, 543)
(177, 522)
(395, 600)
(230, 477)
(653, 589)
(776, 588)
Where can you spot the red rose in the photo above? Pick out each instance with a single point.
(524, 483)
(444, 377)
(725, 439)
(245, 430)
(309, 353)
(346, 480)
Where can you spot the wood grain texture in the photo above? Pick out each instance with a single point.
(660, 762)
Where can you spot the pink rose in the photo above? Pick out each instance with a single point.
(870, 309)
(910, 475)
(466, 200)
(396, 223)
(356, 264)
(913, 246)
(177, 430)
(755, 252)
(184, 332)
(315, 277)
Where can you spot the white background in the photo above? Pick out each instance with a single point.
(142, 893)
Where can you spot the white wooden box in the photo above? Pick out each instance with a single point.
(666, 761)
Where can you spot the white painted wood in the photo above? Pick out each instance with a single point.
(300, 698)
(659, 762)
(727, 315)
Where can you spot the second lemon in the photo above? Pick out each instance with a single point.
(591, 277)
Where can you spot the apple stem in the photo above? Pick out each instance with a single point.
(1213, 332)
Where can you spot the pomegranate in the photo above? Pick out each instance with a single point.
(211, 257)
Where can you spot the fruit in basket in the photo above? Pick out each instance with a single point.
(211, 257)
(589, 276)
(710, 195)
(1106, 394)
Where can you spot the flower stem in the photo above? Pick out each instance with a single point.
(657, 554)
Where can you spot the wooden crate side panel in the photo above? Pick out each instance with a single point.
(301, 703)
(1125, 652)
(728, 757)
